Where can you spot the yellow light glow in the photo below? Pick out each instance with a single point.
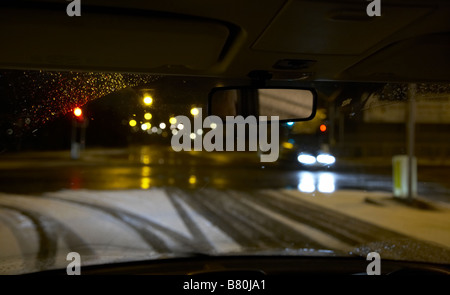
(288, 145)
(145, 159)
(145, 171)
(145, 182)
(132, 123)
(192, 179)
(148, 100)
(173, 120)
(194, 111)
(147, 116)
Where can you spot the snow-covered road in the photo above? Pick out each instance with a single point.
(37, 232)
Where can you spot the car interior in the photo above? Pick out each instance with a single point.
(236, 43)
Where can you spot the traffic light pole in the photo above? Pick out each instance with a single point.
(77, 142)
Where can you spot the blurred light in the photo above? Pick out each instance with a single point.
(145, 159)
(145, 182)
(200, 131)
(148, 100)
(77, 112)
(154, 129)
(180, 126)
(213, 125)
(173, 126)
(146, 126)
(306, 159)
(288, 145)
(194, 111)
(148, 116)
(326, 183)
(323, 128)
(162, 125)
(290, 123)
(192, 136)
(132, 123)
(174, 131)
(145, 171)
(173, 120)
(192, 179)
(306, 182)
(326, 159)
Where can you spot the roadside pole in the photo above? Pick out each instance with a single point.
(411, 118)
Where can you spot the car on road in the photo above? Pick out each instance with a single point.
(181, 137)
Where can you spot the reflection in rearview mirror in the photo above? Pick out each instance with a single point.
(287, 104)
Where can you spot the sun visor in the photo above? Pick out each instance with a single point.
(424, 58)
(333, 28)
(50, 39)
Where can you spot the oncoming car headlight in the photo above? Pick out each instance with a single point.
(306, 159)
(326, 159)
(321, 159)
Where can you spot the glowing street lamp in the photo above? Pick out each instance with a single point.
(148, 100)
(194, 111)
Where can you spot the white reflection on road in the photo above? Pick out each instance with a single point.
(309, 182)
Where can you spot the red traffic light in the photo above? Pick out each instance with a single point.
(77, 112)
(323, 127)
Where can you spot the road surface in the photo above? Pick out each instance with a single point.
(149, 203)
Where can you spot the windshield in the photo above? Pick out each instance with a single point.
(91, 163)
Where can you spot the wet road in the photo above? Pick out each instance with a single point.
(157, 166)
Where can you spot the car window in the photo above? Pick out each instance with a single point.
(91, 163)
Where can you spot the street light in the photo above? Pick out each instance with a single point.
(194, 111)
(148, 100)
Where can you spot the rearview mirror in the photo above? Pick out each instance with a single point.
(288, 104)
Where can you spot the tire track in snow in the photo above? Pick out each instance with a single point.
(250, 228)
(142, 226)
(216, 217)
(48, 230)
(197, 234)
(344, 227)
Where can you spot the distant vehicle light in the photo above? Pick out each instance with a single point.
(290, 123)
(323, 127)
(288, 145)
(326, 159)
(306, 159)
(132, 123)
